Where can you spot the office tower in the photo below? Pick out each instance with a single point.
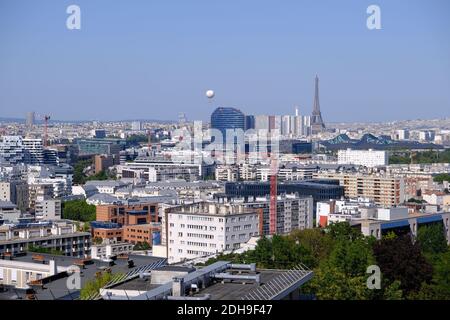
(182, 118)
(136, 126)
(98, 133)
(262, 122)
(30, 119)
(249, 122)
(223, 119)
(317, 124)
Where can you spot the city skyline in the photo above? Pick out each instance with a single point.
(153, 61)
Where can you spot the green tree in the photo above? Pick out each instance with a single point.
(141, 246)
(329, 283)
(352, 258)
(432, 238)
(78, 210)
(393, 291)
(441, 276)
(400, 259)
(343, 231)
(93, 286)
(316, 241)
(78, 171)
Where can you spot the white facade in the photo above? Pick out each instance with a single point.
(204, 229)
(368, 158)
(108, 250)
(48, 209)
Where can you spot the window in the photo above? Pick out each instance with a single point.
(1, 274)
(13, 275)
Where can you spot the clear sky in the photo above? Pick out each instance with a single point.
(153, 59)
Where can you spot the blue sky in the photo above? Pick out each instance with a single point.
(153, 59)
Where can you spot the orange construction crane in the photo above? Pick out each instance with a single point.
(273, 195)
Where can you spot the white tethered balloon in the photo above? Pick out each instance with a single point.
(210, 94)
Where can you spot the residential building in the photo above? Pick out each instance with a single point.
(58, 235)
(48, 209)
(205, 228)
(368, 158)
(383, 190)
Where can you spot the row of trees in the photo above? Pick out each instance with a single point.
(430, 156)
(340, 256)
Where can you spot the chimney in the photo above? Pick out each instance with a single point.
(178, 287)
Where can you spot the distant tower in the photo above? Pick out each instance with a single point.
(30, 119)
(317, 124)
(182, 118)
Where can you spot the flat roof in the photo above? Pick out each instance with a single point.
(237, 290)
(57, 289)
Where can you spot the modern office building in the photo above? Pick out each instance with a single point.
(128, 213)
(99, 146)
(224, 119)
(249, 122)
(157, 169)
(368, 158)
(319, 189)
(30, 119)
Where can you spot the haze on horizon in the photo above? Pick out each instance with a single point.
(154, 59)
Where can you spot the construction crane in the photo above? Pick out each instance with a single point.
(46, 118)
(273, 195)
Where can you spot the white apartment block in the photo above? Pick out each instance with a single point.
(368, 158)
(48, 209)
(227, 173)
(204, 229)
(20, 273)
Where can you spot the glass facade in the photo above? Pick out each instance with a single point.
(227, 118)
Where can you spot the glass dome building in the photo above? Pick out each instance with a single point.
(227, 118)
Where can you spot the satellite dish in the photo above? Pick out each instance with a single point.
(210, 94)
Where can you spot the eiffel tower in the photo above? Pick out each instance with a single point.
(317, 124)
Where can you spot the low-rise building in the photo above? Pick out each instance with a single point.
(110, 249)
(57, 235)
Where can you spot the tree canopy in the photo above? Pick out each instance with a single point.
(78, 210)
